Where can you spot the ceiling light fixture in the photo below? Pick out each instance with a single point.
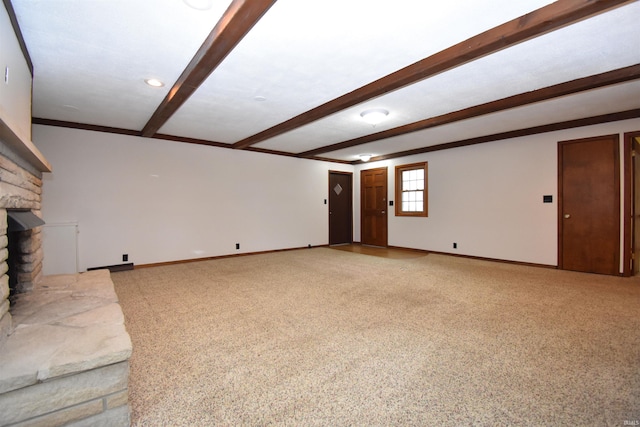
(374, 116)
(154, 82)
(365, 157)
(199, 4)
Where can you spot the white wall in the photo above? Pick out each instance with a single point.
(487, 198)
(164, 201)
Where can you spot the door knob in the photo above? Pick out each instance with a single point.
(567, 216)
(382, 211)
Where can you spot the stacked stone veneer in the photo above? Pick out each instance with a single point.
(19, 189)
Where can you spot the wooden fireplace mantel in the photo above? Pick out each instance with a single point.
(25, 148)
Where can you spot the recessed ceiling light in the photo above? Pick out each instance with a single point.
(260, 98)
(199, 4)
(154, 82)
(374, 116)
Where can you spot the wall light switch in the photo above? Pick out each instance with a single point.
(6, 75)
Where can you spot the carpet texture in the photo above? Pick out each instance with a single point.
(327, 337)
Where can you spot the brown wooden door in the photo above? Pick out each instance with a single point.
(373, 207)
(589, 208)
(340, 208)
(635, 206)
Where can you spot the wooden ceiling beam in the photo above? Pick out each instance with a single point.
(570, 124)
(235, 23)
(574, 86)
(536, 23)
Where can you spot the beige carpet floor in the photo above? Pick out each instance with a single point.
(327, 337)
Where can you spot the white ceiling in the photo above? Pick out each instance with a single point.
(91, 58)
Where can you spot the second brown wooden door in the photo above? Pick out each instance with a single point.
(589, 210)
(373, 207)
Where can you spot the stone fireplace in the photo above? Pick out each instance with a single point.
(64, 349)
(21, 189)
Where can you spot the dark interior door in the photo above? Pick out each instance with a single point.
(589, 209)
(340, 208)
(373, 207)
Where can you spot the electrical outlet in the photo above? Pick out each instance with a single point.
(125, 257)
(237, 245)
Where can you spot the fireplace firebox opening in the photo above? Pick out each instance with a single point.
(23, 246)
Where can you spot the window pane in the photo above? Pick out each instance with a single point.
(413, 201)
(420, 184)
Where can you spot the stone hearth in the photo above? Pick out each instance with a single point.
(67, 359)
